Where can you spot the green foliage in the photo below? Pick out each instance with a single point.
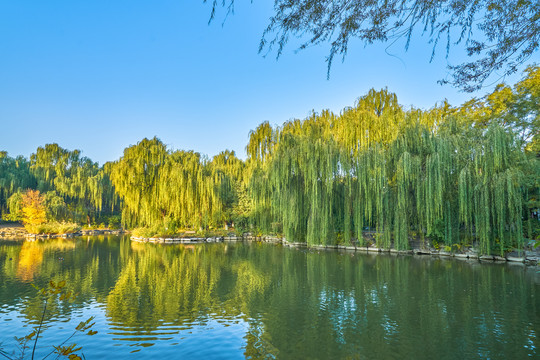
(243, 208)
(55, 227)
(33, 209)
(377, 165)
(80, 182)
(114, 222)
(181, 189)
(453, 175)
(437, 231)
(55, 206)
(15, 207)
(15, 176)
(155, 231)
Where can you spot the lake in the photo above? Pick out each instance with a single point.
(257, 300)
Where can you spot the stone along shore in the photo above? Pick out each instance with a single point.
(529, 256)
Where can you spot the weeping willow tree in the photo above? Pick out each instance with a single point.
(326, 176)
(85, 188)
(135, 179)
(490, 191)
(228, 172)
(175, 190)
(303, 177)
(404, 174)
(15, 176)
(451, 175)
(260, 149)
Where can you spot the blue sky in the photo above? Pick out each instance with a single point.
(101, 75)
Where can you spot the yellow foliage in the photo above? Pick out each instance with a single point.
(30, 259)
(34, 213)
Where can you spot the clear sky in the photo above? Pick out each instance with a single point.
(101, 75)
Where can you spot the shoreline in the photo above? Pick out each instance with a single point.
(527, 257)
(17, 232)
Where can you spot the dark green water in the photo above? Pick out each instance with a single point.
(221, 301)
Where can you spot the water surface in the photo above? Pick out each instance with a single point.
(252, 300)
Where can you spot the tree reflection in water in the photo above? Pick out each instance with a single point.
(259, 301)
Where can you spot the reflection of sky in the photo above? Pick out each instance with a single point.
(206, 337)
(343, 311)
(346, 314)
(11, 322)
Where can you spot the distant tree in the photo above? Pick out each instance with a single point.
(14, 176)
(227, 170)
(85, 189)
(498, 36)
(33, 210)
(516, 109)
(55, 206)
(14, 204)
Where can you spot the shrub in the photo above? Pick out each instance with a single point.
(114, 221)
(54, 227)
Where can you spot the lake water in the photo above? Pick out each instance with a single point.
(253, 300)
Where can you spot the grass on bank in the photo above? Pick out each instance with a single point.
(53, 227)
(160, 231)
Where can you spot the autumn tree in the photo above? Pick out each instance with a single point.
(33, 210)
